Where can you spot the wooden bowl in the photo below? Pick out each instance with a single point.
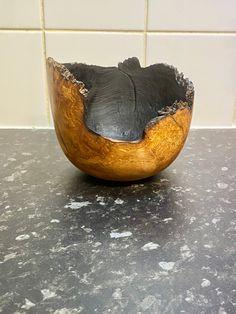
(114, 132)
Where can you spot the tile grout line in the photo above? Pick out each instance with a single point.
(145, 32)
(234, 115)
(58, 30)
(189, 32)
(166, 31)
(75, 30)
(91, 30)
(5, 29)
(44, 61)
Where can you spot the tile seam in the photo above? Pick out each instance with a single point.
(44, 61)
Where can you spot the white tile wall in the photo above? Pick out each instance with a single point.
(94, 14)
(20, 14)
(210, 63)
(94, 47)
(199, 37)
(22, 88)
(203, 15)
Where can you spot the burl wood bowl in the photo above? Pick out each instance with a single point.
(120, 123)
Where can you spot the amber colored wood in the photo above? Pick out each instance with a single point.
(104, 158)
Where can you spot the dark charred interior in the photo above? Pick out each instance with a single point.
(122, 100)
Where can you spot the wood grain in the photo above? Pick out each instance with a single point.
(104, 158)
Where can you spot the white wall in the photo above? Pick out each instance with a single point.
(199, 37)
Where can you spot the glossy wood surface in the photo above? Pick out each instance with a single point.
(104, 158)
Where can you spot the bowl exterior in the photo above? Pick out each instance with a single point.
(104, 158)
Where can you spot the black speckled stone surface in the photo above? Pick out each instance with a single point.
(74, 244)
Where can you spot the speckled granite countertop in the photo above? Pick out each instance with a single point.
(73, 244)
